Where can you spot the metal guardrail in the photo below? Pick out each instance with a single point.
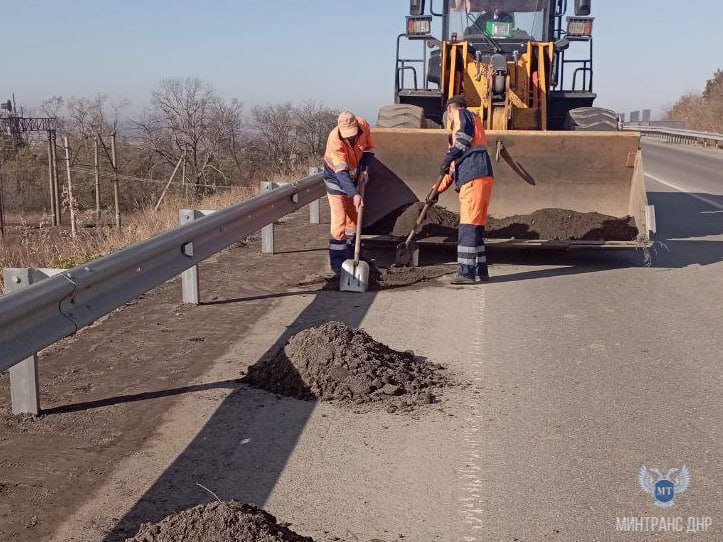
(675, 135)
(38, 316)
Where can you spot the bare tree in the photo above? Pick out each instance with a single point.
(314, 122)
(276, 125)
(186, 115)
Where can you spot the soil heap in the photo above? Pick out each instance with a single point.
(334, 362)
(563, 224)
(218, 522)
(549, 224)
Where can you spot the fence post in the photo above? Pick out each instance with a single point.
(315, 206)
(267, 232)
(24, 394)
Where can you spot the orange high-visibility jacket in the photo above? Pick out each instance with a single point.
(343, 163)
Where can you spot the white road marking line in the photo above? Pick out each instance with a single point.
(472, 498)
(679, 189)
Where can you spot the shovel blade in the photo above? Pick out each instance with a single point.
(407, 255)
(354, 276)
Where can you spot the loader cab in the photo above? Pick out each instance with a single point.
(497, 27)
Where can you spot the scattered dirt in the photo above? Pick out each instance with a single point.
(334, 362)
(398, 277)
(549, 224)
(381, 278)
(219, 522)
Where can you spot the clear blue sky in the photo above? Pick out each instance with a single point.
(340, 52)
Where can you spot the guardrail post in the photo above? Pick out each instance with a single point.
(267, 232)
(315, 206)
(190, 289)
(189, 278)
(24, 387)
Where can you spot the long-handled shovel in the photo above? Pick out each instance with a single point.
(355, 273)
(407, 252)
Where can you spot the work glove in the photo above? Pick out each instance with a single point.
(358, 202)
(433, 198)
(444, 170)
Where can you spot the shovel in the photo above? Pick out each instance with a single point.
(355, 273)
(407, 252)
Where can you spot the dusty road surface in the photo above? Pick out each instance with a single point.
(577, 370)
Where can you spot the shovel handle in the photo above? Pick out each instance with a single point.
(426, 207)
(359, 215)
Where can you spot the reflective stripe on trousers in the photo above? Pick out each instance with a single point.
(471, 254)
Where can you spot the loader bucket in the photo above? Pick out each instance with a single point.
(579, 171)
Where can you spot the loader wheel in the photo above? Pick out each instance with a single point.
(400, 116)
(430, 124)
(589, 119)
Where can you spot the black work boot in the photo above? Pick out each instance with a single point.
(461, 279)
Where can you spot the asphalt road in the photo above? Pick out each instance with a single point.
(579, 370)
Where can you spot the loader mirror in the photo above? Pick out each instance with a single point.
(562, 44)
(582, 8)
(416, 7)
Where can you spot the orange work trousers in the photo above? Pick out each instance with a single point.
(474, 200)
(343, 217)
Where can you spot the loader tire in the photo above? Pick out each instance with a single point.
(400, 116)
(430, 124)
(589, 119)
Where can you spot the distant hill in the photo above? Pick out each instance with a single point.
(702, 112)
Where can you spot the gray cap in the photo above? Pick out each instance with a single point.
(457, 99)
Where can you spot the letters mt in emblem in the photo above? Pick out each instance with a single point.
(664, 488)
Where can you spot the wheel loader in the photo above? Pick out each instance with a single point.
(550, 147)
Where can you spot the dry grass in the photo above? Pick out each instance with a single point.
(31, 242)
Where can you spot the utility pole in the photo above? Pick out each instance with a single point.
(71, 203)
(97, 181)
(58, 218)
(51, 183)
(165, 189)
(115, 181)
(183, 179)
(2, 208)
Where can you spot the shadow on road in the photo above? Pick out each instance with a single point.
(145, 396)
(243, 449)
(683, 224)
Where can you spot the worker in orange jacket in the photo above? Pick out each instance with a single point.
(348, 157)
(467, 165)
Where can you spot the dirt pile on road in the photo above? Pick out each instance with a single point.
(334, 362)
(219, 522)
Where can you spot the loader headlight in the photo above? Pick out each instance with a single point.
(419, 27)
(579, 27)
